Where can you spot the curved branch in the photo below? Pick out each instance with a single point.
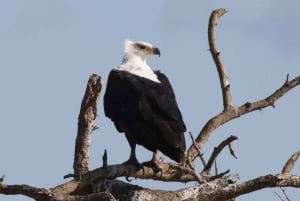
(267, 181)
(222, 189)
(212, 40)
(270, 100)
(230, 112)
(233, 113)
(218, 150)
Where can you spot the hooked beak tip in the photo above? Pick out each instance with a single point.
(156, 51)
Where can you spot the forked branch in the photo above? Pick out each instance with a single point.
(230, 112)
(217, 151)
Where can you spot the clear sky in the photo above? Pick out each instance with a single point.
(49, 48)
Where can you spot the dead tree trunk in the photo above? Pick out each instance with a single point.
(87, 114)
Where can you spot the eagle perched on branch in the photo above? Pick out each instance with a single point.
(142, 104)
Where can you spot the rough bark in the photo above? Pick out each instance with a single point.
(220, 189)
(87, 114)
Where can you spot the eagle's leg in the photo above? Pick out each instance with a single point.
(132, 159)
(153, 163)
(183, 159)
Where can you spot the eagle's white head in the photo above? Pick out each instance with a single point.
(140, 49)
(134, 60)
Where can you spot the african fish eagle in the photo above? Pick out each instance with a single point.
(142, 104)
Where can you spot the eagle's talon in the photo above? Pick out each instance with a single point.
(134, 162)
(153, 165)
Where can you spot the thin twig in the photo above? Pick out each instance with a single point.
(218, 150)
(216, 167)
(231, 150)
(69, 175)
(2, 178)
(197, 176)
(104, 159)
(219, 175)
(279, 196)
(198, 150)
(287, 78)
(285, 194)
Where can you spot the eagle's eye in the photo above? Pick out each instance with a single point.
(141, 46)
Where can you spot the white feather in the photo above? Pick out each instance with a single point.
(134, 61)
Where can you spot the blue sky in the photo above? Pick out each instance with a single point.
(49, 48)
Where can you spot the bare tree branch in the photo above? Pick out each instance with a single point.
(228, 115)
(198, 150)
(170, 172)
(2, 178)
(279, 180)
(42, 194)
(290, 163)
(267, 181)
(230, 112)
(29, 191)
(217, 151)
(279, 196)
(270, 100)
(104, 159)
(285, 194)
(224, 188)
(103, 196)
(212, 40)
(87, 114)
(231, 149)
